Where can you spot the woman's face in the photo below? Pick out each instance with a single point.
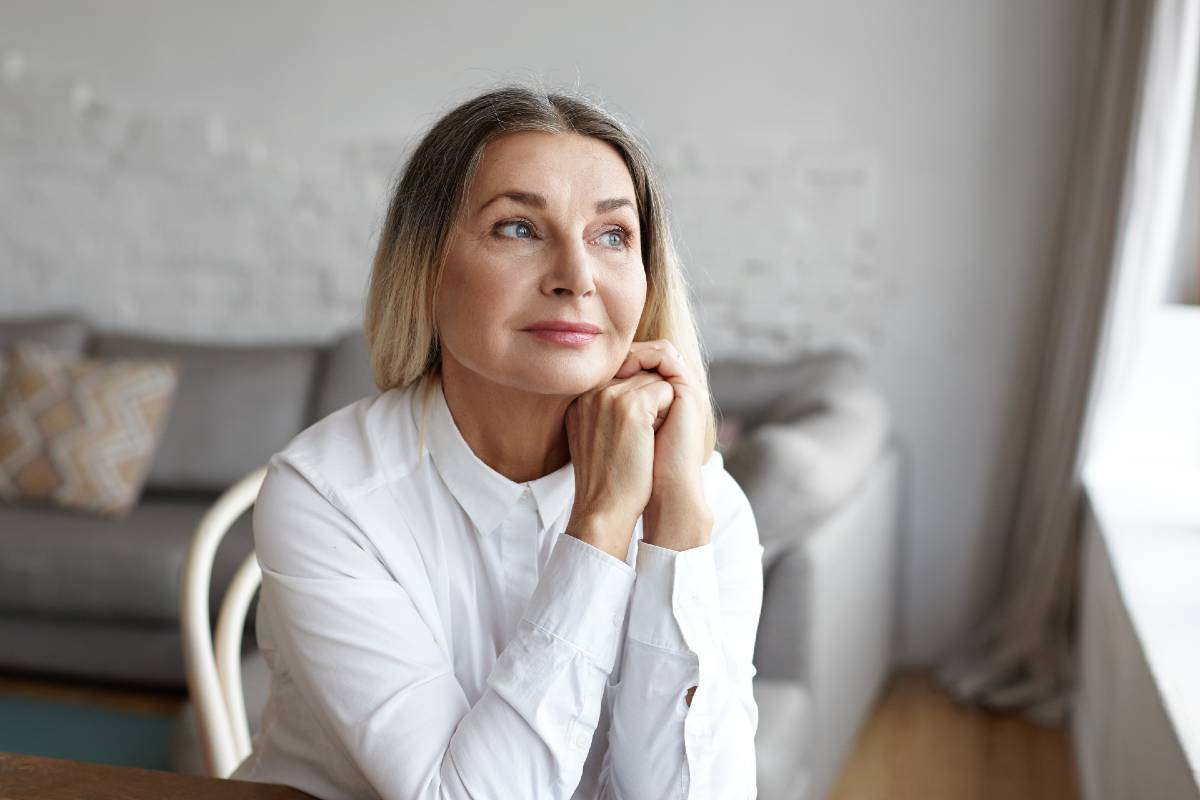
(550, 233)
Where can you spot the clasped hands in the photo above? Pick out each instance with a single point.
(637, 444)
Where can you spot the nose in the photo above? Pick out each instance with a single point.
(569, 271)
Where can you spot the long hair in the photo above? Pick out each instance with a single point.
(429, 195)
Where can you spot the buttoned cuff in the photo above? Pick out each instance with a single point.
(581, 597)
(674, 598)
(696, 600)
(651, 620)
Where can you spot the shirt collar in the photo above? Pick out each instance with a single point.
(487, 496)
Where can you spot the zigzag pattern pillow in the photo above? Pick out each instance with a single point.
(81, 433)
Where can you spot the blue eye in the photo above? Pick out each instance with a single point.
(618, 236)
(519, 224)
(622, 235)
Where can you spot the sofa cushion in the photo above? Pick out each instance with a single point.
(810, 447)
(80, 432)
(65, 565)
(749, 390)
(782, 753)
(62, 332)
(345, 374)
(236, 406)
(141, 656)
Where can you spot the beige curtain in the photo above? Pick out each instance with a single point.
(1118, 228)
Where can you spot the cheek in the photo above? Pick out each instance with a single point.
(469, 301)
(628, 297)
(466, 290)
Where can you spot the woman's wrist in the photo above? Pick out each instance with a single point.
(602, 532)
(678, 520)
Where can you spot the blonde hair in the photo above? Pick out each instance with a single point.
(429, 195)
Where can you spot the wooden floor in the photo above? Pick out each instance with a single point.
(917, 744)
(920, 744)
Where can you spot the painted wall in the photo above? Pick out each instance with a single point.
(884, 175)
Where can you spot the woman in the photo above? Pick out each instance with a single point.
(521, 571)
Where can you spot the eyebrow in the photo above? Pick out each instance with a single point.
(539, 202)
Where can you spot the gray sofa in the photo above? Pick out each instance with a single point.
(97, 599)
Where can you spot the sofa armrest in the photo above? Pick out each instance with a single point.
(829, 613)
(811, 448)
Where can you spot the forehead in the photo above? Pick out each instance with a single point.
(552, 163)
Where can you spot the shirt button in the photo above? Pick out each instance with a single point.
(582, 740)
(617, 620)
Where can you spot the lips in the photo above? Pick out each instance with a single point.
(562, 332)
(563, 326)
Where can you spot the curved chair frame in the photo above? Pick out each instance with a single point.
(215, 678)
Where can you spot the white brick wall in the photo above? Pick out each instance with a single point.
(173, 225)
(168, 225)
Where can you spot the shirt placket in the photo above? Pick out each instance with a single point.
(520, 551)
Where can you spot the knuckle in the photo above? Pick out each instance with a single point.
(633, 406)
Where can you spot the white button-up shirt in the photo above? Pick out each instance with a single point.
(432, 633)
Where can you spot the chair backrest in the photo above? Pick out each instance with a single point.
(214, 677)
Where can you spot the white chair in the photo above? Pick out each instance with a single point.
(215, 679)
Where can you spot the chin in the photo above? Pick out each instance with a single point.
(565, 380)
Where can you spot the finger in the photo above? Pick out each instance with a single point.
(664, 397)
(660, 356)
(634, 359)
(664, 346)
(662, 392)
(635, 381)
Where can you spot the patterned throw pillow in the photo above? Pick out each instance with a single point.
(81, 433)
